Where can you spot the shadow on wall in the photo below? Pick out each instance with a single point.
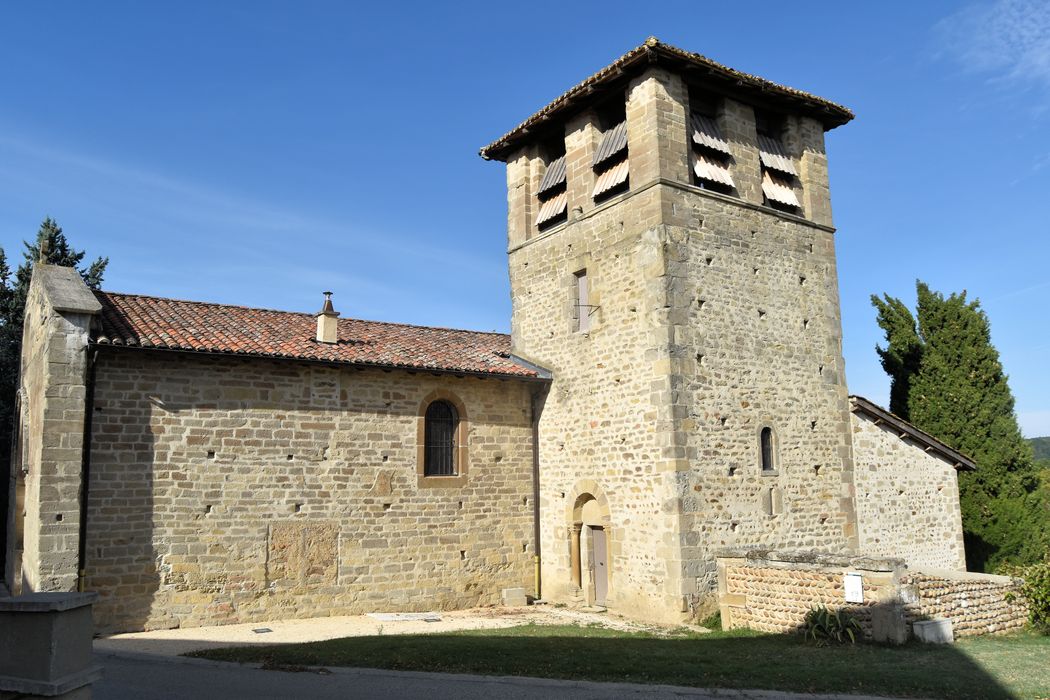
(121, 563)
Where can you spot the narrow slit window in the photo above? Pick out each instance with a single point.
(439, 456)
(583, 302)
(766, 439)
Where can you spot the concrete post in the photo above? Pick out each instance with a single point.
(45, 646)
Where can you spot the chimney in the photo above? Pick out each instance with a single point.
(327, 322)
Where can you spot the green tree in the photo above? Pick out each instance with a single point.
(946, 378)
(13, 292)
(903, 352)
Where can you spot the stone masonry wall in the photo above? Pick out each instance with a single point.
(756, 344)
(975, 603)
(754, 340)
(228, 490)
(715, 316)
(53, 375)
(771, 591)
(602, 423)
(907, 499)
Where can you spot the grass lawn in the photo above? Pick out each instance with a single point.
(983, 667)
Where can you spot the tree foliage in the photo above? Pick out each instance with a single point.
(1041, 445)
(947, 379)
(14, 288)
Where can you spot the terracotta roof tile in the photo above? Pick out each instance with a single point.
(133, 320)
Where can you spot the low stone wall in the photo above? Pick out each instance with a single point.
(771, 591)
(975, 603)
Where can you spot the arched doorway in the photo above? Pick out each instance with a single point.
(590, 544)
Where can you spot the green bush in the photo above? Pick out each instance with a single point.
(1036, 591)
(825, 626)
(713, 622)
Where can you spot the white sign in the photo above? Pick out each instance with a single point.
(854, 584)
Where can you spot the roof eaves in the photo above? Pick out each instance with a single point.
(538, 375)
(651, 52)
(950, 454)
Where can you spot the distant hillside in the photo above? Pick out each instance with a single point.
(1041, 447)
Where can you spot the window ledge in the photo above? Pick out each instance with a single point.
(430, 482)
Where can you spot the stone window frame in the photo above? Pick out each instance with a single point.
(582, 264)
(776, 126)
(774, 438)
(549, 154)
(704, 103)
(458, 479)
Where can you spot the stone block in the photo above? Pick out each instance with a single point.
(888, 624)
(514, 597)
(933, 631)
(45, 644)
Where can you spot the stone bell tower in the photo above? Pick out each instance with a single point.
(672, 262)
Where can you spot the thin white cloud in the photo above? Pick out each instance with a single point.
(140, 197)
(1008, 40)
(1017, 292)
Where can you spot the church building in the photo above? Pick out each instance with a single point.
(673, 386)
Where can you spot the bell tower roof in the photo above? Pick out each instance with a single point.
(693, 67)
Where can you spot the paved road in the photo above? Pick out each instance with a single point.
(144, 678)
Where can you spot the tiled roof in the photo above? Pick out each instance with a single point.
(906, 429)
(654, 51)
(132, 320)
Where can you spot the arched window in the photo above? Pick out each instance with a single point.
(439, 456)
(766, 438)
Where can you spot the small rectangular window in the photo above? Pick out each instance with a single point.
(583, 302)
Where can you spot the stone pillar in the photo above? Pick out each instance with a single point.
(59, 309)
(524, 170)
(582, 137)
(657, 135)
(738, 123)
(813, 171)
(574, 554)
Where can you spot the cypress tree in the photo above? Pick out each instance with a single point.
(950, 382)
(903, 352)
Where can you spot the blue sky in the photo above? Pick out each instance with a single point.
(261, 152)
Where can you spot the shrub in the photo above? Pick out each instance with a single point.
(825, 626)
(1036, 591)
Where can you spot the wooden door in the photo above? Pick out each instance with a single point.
(601, 565)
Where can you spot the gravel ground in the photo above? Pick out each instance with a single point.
(180, 641)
